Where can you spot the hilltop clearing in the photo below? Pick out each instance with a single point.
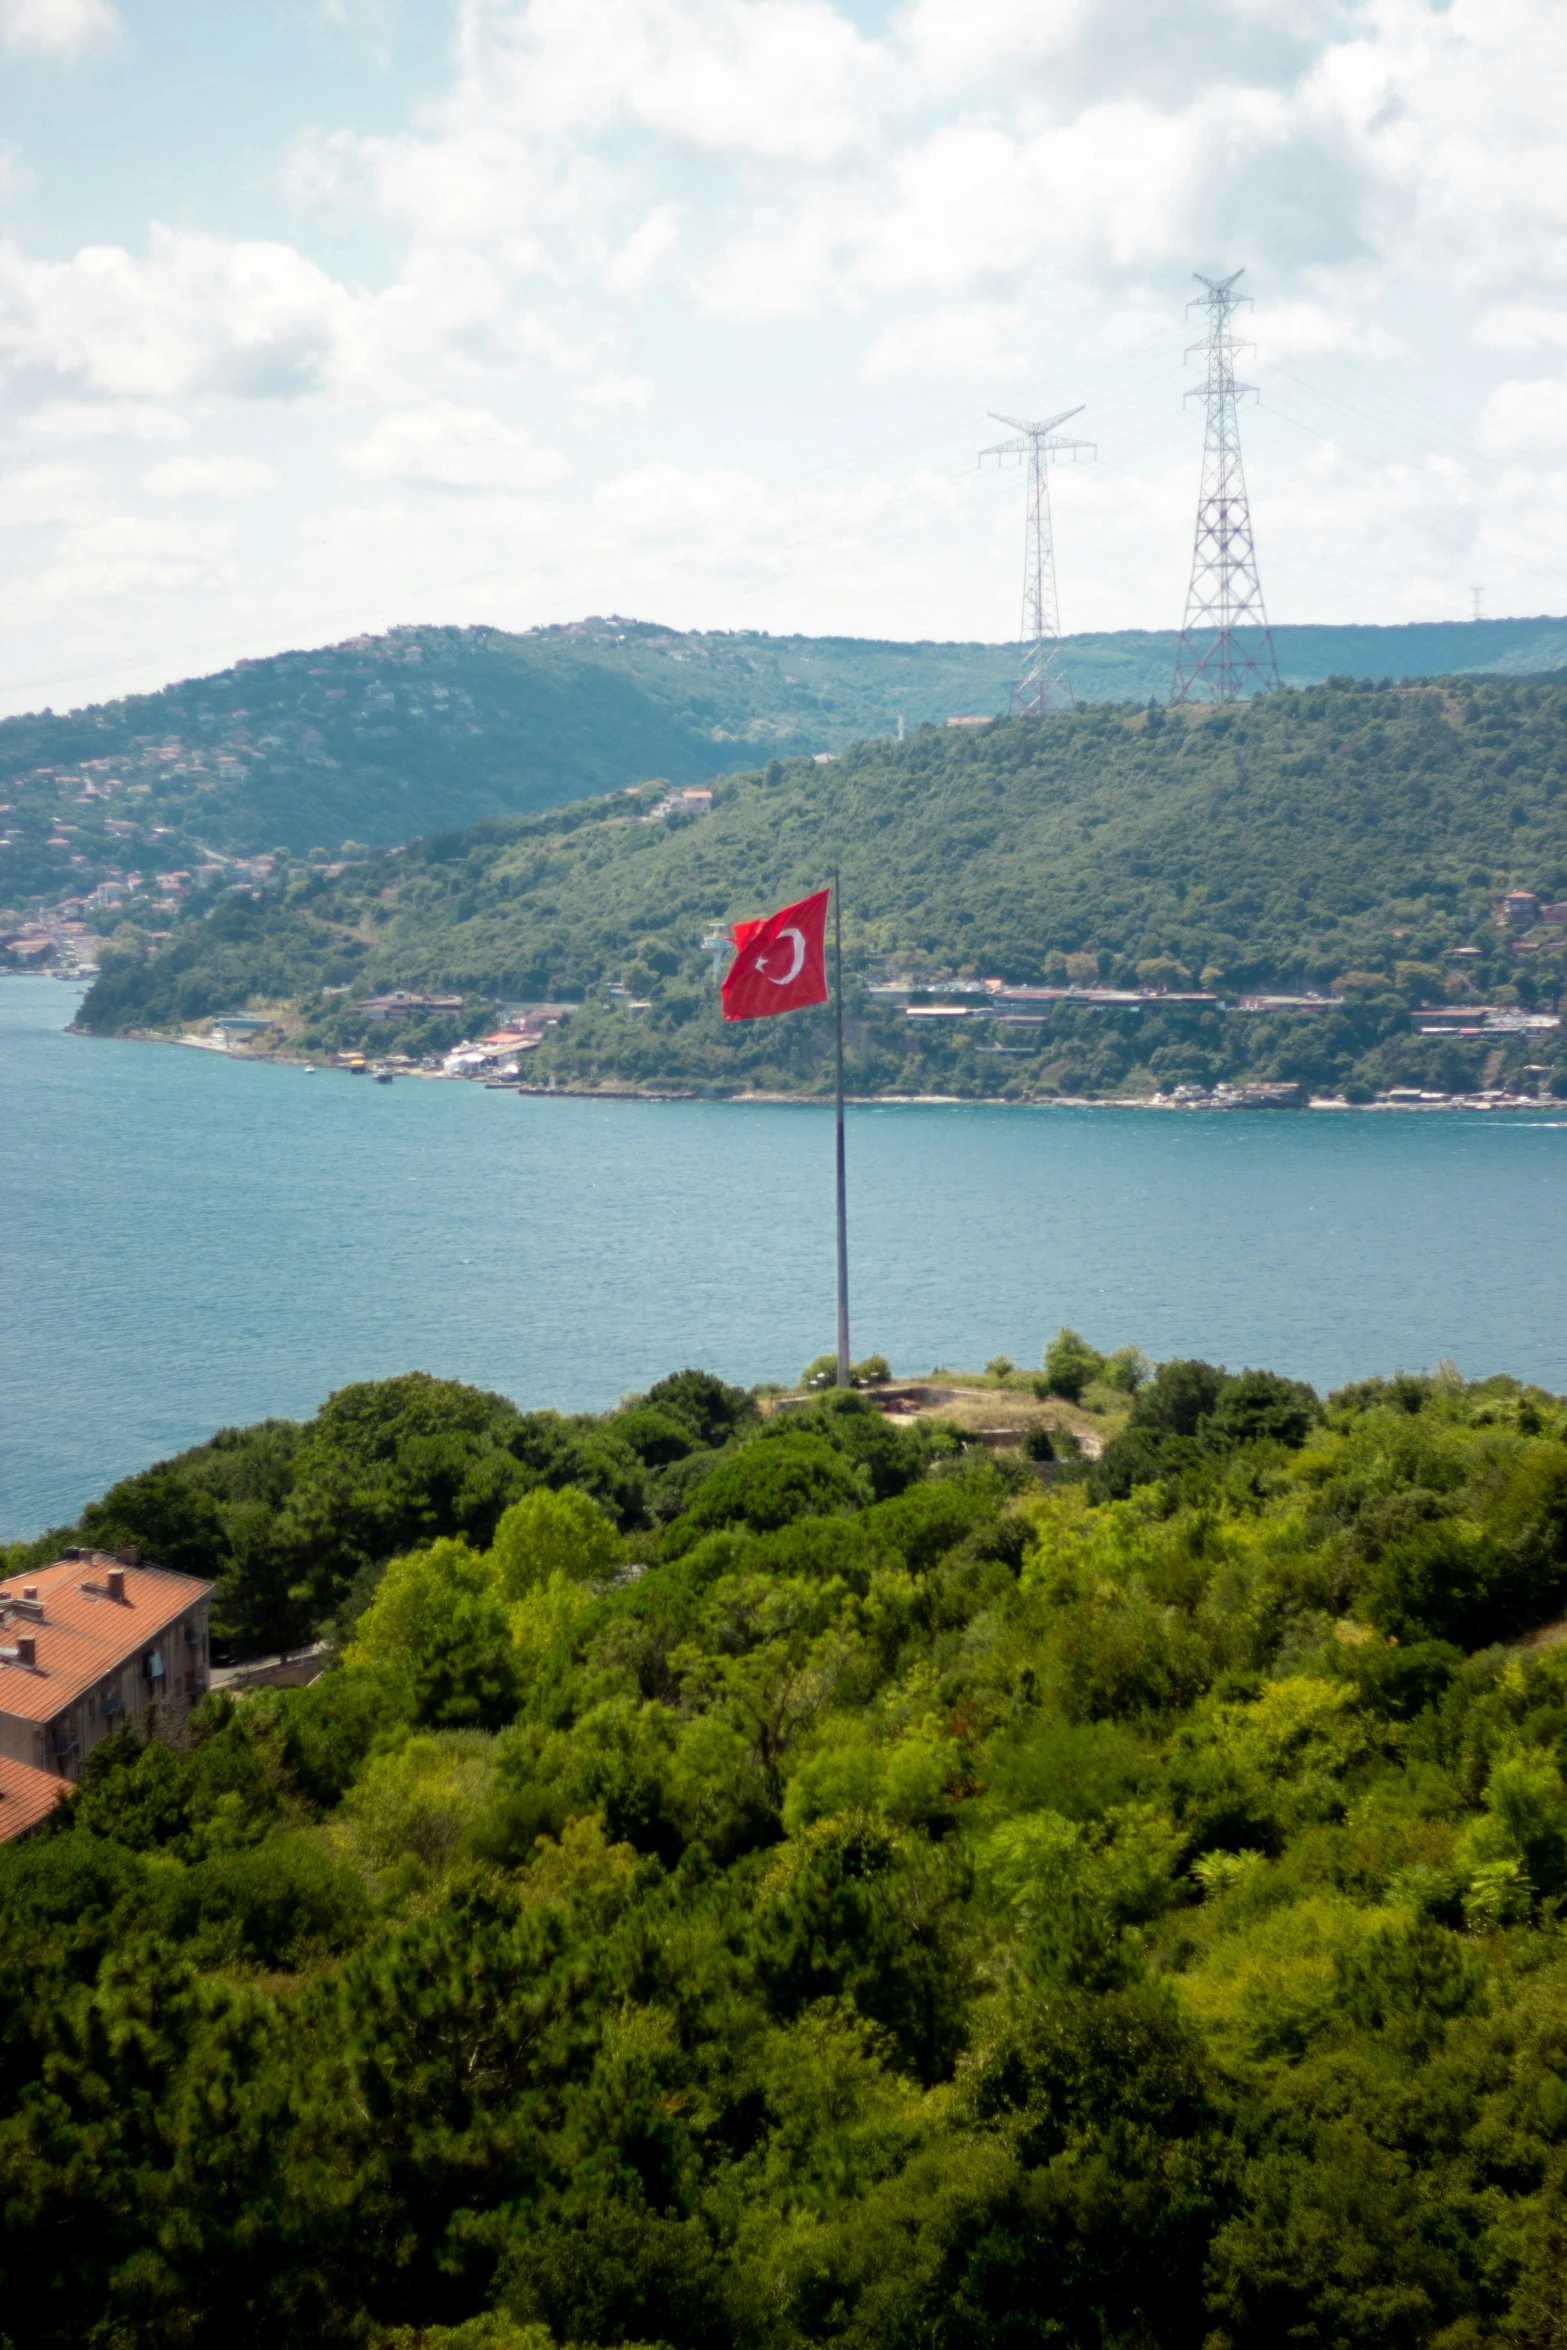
(750, 1875)
(375, 740)
(1351, 843)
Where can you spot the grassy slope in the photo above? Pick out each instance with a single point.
(1311, 835)
(382, 738)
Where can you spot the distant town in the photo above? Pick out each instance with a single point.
(498, 1057)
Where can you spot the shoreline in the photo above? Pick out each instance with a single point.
(1475, 1105)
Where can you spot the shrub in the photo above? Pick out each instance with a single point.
(547, 1534)
(438, 1623)
(1070, 1362)
(768, 1485)
(712, 1410)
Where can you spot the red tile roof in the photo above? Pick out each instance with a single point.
(83, 1633)
(26, 1797)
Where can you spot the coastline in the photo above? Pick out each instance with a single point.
(1446, 1105)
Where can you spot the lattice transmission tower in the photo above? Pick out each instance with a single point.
(1042, 680)
(1226, 646)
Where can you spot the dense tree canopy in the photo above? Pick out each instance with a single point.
(816, 1885)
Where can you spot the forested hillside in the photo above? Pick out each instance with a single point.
(1347, 839)
(780, 1883)
(372, 741)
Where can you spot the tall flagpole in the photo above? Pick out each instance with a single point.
(843, 1204)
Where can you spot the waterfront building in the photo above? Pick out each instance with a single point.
(91, 1645)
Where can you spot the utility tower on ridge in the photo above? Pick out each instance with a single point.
(1042, 681)
(1226, 646)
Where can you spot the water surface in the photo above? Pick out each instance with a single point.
(188, 1241)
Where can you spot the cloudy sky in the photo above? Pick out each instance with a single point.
(322, 315)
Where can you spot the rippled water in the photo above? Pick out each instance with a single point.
(187, 1241)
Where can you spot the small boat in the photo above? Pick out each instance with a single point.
(383, 1076)
(310, 1068)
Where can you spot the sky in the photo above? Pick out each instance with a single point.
(322, 316)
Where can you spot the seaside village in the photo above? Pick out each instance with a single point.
(65, 940)
(96, 1643)
(1006, 1014)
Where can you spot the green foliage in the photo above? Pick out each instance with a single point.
(1339, 841)
(822, 1371)
(850, 1911)
(295, 1523)
(547, 1534)
(711, 1410)
(872, 1898)
(1189, 1417)
(432, 727)
(769, 1485)
(438, 1623)
(1126, 1370)
(423, 1800)
(172, 1520)
(1070, 1362)
(436, 727)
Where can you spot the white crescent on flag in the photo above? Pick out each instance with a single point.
(780, 961)
(796, 966)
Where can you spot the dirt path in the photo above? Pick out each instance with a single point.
(999, 1416)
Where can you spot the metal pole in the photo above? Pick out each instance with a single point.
(1042, 682)
(1226, 648)
(843, 1201)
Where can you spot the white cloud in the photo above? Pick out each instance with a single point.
(37, 495)
(644, 249)
(753, 234)
(1522, 326)
(1308, 329)
(113, 557)
(92, 420)
(457, 448)
(1070, 54)
(196, 314)
(56, 28)
(616, 395)
(1524, 418)
(209, 477)
(784, 78)
(985, 342)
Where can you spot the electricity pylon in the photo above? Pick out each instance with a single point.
(1042, 681)
(1226, 646)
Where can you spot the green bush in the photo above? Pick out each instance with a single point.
(1070, 1362)
(771, 1485)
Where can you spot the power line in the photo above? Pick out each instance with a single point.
(1042, 681)
(1226, 646)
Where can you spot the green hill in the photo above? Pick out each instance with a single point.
(797, 1883)
(381, 738)
(1354, 840)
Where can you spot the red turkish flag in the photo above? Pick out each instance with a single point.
(780, 962)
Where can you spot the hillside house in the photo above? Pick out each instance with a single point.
(400, 1005)
(681, 803)
(90, 1646)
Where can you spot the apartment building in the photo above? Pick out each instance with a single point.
(89, 1646)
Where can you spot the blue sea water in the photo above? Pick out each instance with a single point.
(188, 1242)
